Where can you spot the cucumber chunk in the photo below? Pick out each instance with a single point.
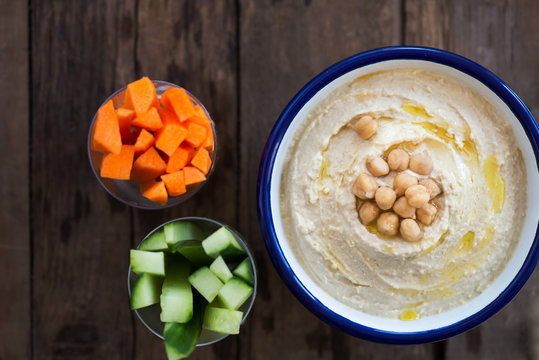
(223, 321)
(193, 251)
(146, 291)
(234, 293)
(220, 268)
(243, 271)
(181, 339)
(181, 230)
(223, 242)
(147, 262)
(176, 294)
(206, 283)
(155, 241)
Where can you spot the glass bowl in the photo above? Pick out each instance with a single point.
(149, 316)
(127, 191)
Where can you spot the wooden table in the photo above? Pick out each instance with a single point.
(65, 241)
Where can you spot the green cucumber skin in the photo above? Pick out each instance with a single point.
(193, 251)
(181, 230)
(154, 242)
(223, 242)
(243, 271)
(234, 293)
(181, 339)
(220, 268)
(147, 262)
(146, 291)
(223, 321)
(206, 283)
(176, 295)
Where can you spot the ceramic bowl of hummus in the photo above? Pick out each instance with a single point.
(356, 256)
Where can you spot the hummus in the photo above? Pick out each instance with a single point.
(481, 211)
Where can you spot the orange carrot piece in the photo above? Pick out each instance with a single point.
(180, 158)
(155, 191)
(125, 116)
(148, 166)
(175, 183)
(171, 135)
(149, 120)
(196, 134)
(209, 142)
(118, 166)
(202, 160)
(140, 95)
(167, 116)
(202, 118)
(144, 141)
(106, 135)
(178, 101)
(192, 175)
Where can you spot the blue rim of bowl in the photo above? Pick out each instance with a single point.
(266, 168)
(179, 199)
(242, 242)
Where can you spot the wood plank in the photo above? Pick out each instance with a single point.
(283, 45)
(15, 324)
(193, 44)
(81, 52)
(498, 35)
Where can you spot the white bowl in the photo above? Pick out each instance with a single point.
(329, 309)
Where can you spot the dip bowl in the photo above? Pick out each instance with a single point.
(429, 328)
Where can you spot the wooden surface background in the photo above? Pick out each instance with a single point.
(64, 241)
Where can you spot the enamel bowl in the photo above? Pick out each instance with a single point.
(321, 303)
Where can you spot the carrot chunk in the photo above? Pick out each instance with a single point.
(192, 175)
(149, 120)
(144, 141)
(175, 183)
(106, 135)
(202, 118)
(155, 191)
(196, 134)
(178, 101)
(202, 160)
(125, 116)
(118, 166)
(171, 135)
(179, 158)
(209, 142)
(148, 166)
(140, 95)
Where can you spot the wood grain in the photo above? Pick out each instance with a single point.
(193, 44)
(15, 322)
(502, 36)
(284, 44)
(81, 52)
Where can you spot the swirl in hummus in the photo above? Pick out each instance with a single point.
(477, 161)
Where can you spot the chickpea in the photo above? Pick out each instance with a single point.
(385, 197)
(417, 196)
(377, 166)
(398, 160)
(402, 182)
(368, 212)
(432, 187)
(388, 224)
(421, 163)
(404, 209)
(366, 126)
(426, 214)
(410, 230)
(365, 186)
